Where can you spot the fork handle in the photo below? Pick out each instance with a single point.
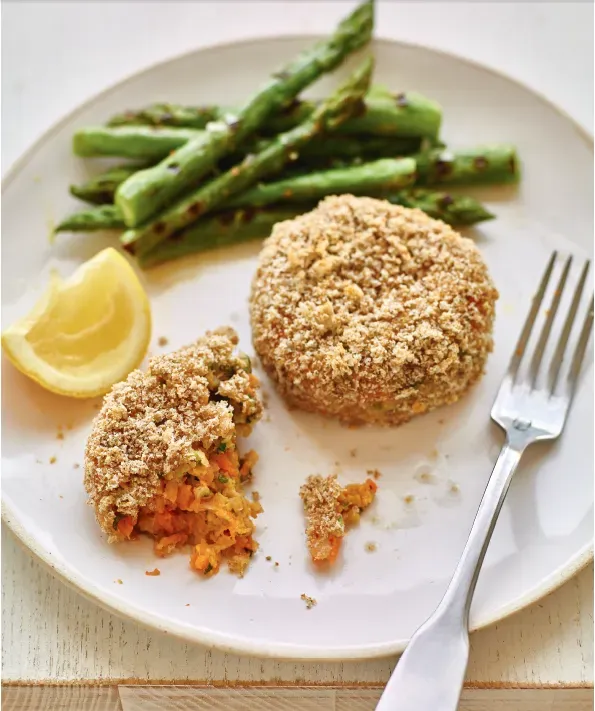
(430, 674)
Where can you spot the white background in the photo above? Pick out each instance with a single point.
(57, 54)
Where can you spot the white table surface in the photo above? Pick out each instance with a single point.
(56, 55)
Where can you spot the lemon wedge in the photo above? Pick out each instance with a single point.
(87, 332)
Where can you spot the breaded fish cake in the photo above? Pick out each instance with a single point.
(371, 312)
(162, 459)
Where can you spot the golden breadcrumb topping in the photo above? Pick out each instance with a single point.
(371, 312)
(159, 423)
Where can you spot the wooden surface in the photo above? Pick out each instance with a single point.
(52, 634)
(134, 698)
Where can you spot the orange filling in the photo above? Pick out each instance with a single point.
(352, 500)
(205, 508)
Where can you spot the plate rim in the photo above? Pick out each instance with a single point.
(222, 641)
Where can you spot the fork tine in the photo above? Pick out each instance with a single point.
(528, 327)
(581, 347)
(547, 326)
(563, 341)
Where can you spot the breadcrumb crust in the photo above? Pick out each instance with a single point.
(152, 424)
(371, 312)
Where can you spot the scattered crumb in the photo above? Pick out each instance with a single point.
(118, 581)
(370, 547)
(154, 572)
(187, 604)
(53, 460)
(255, 496)
(268, 557)
(60, 435)
(276, 564)
(77, 465)
(61, 496)
(287, 449)
(434, 454)
(329, 510)
(310, 601)
(337, 464)
(353, 452)
(375, 473)
(409, 499)
(454, 488)
(162, 341)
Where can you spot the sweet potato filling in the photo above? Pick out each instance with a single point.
(205, 508)
(330, 511)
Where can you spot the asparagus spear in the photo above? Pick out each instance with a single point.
(142, 142)
(101, 217)
(328, 151)
(457, 210)
(100, 189)
(404, 114)
(385, 114)
(169, 115)
(151, 144)
(275, 155)
(454, 209)
(146, 192)
(374, 178)
(357, 147)
(474, 166)
(219, 230)
(234, 227)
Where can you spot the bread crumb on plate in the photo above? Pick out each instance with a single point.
(310, 601)
(330, 509)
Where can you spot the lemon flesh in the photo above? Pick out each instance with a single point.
(87, 332)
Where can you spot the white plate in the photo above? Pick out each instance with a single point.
(371, 602)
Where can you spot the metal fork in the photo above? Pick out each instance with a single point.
(529, 408)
